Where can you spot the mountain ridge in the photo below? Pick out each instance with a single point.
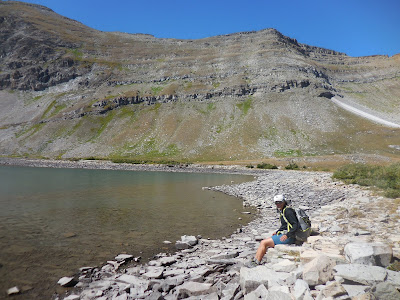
(79, 92)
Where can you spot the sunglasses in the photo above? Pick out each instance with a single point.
(278, 202)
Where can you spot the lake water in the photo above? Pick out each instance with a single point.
(54, 221)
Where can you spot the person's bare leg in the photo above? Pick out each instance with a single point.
(262, 248)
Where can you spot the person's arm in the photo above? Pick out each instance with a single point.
(283, 225)
(290, 215)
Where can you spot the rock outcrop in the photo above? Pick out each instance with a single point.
(70, 91)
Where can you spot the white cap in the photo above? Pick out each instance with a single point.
(279, 198)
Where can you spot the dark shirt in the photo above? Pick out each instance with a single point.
(290, 215)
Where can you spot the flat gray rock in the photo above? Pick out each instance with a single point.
(225, 255)
(251, 278)
(361, 273)
(66, 281)
(154, 273)
(167, 261)
(123, 257)
(354, 290)
(393, 278)
(221, 261)
(373, 254)
(386, 291)
(191, 288)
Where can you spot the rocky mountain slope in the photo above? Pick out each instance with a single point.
(69, 91)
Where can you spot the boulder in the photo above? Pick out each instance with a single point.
(259, 293)
(173, 272)
(189, 239)
(231, 289)
(278, 295)
(129, 279)
(252, 278)
(123, 257)
(191, 288)
(334, 290)
(155, 296)
(319, 270)
(308, 255)
(154, 273)
(386, 291)
(285, 265)
(186, 242)
(67, 281)
(300, 289)
(167, 261)
(372, 254)
(181, 246)
(354, 290)
(393, 278)
(361, 273)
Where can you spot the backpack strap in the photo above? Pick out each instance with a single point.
(289, 226)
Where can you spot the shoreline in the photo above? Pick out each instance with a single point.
(108, 165)
(213, 269)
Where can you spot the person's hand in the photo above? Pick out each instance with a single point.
(283, 238)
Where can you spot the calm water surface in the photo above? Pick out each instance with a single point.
(54, 221)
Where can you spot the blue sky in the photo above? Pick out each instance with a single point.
(355, 27)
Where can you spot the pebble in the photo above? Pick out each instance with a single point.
(12, 291)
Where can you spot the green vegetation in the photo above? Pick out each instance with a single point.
(152, 151)
(54, 109)
(146, 161)
(127, 112)
(383, 177)
(245, 106)
(37, 98)
(33, 129)
(155, 107)
(156, 90)
(58, 108)
(266, 166)
(395, 266)
(75, 127)
(292, 166)
(77, 55)
(103, 124)
(49, 108)
(220, 128)
(210, 107)
(188, 86)
(289, 152)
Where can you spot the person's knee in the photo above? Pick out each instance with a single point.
(270, 243)
(267, 243)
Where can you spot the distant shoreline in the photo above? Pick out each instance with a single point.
(108, 165)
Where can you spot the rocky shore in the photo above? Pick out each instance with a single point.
(354, 253)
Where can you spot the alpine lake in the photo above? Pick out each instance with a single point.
(55, 221)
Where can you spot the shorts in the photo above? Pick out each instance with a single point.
(277, 241)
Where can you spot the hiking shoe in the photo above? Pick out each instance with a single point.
(252, 264)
